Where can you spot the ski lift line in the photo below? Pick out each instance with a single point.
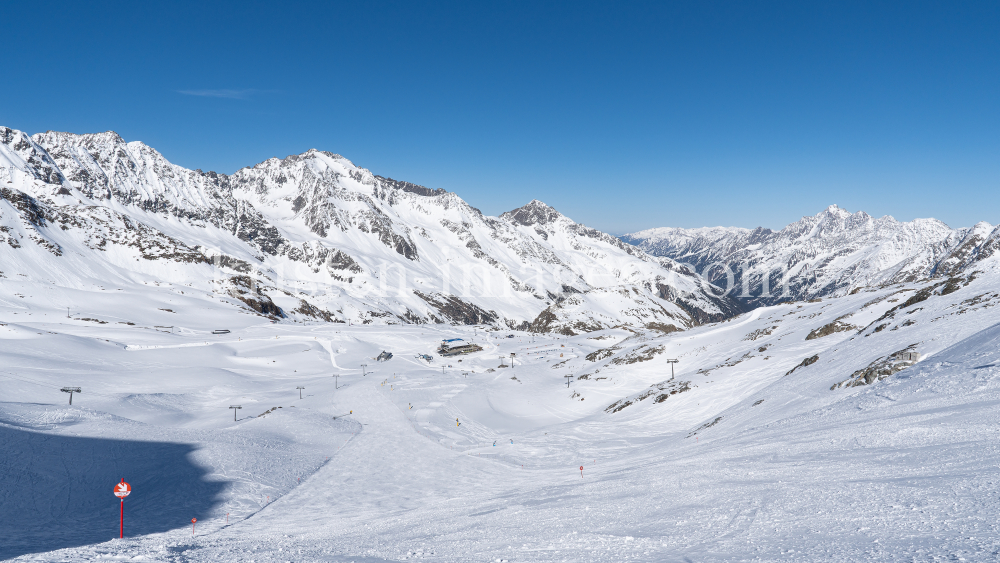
(49, 385)
(26, 380)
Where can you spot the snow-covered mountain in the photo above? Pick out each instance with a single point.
(852, 428)
(830, 429)
(831, 253)
(314, 237)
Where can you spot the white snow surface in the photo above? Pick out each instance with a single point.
(395, 461)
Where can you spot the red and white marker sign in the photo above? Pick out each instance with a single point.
(123, 489)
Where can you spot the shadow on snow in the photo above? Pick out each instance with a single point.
(57, 491)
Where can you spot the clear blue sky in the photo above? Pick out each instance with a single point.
(621, 115)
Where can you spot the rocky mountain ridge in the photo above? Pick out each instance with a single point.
(314, 237)
(831, 253)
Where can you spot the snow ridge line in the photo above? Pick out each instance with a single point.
(140, 347)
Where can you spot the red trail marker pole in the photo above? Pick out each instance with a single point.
(581, 472)
(122, 490)
(193, 520)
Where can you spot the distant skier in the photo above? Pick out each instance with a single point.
(494, 443)
(512, 441)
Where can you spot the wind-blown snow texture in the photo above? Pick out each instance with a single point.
(853, 427)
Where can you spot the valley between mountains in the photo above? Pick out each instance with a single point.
(834, 394)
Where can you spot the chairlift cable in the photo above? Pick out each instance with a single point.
(49, 385)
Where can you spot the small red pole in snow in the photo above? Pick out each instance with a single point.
(193, 520)
(581, 472)
(122, 490)
(227, 518)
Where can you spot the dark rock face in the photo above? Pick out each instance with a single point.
(828, 329)
(641, 354)
(409, 188)
(728, 307)
(534, 213)
(881, 368)
(338, 260)
(805, 363)
(664, 328)
(458, 311)
(940, 288)
(662, 391)
(542, 322)
(705, 426)
(247, 290)
(27, 205)
(601, 354)
(308, 309)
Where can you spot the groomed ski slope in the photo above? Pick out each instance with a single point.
(748, 464)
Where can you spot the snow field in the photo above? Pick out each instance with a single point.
(748, 464)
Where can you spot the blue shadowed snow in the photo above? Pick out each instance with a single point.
(56, 491)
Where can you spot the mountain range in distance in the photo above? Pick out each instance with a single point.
(829, 254)
(315, 238)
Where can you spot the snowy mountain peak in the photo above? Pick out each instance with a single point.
(313, 236)
(838, 215)
(835, 211)
(104, 140)
(830, 253)
(533, 213)
(980, 227)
